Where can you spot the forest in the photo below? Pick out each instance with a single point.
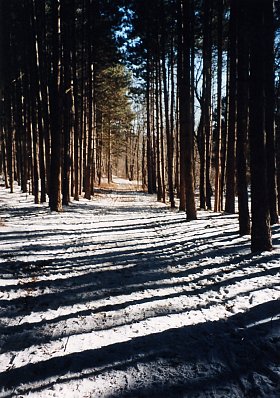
(181, 95)
(139, 198)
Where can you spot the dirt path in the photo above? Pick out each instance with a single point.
(120, 296)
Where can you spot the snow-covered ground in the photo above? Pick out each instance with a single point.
(121, 297)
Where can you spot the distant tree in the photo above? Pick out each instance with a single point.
(112, 87)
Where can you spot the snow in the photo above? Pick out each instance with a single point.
(121, 297)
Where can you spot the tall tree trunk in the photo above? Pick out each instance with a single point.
(230, 164)
(20, 131)
(31, 63)
(144, 163)
(109, 155)
(55, 167)
(89, 160)
(76, 132)
(277, 133)
(34, 23)
(169, 134)
(149, 138)
(217, 204)
(162, 152)
(66, 93)
(186, 110)
(153, 130)
(172, 109)
(3, 155)
(182, 136)
(261, 231)
(207, 83)
(224, 139)
(242, 118)
(270, 109)
(9, 136)
(43, 111)
(98, 145)
(157, 100)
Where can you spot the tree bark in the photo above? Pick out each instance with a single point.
(186, 110)
(242, 118)
(157, 100)
(231, 145)
(89, 160)
(261, 231)
(217, 203)
(149, 138)
(207, 100)
(66, 93)
(55, 167)
(169, 135)
(270, 109)
(182, 137)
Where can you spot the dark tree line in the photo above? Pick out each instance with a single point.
(60, 61)
(221, 55)
(203, 74)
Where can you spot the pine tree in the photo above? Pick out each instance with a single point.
(261, 231)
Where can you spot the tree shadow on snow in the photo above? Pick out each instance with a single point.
(233, 356)
(221, 357)
(150, 270)
(95, 286)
